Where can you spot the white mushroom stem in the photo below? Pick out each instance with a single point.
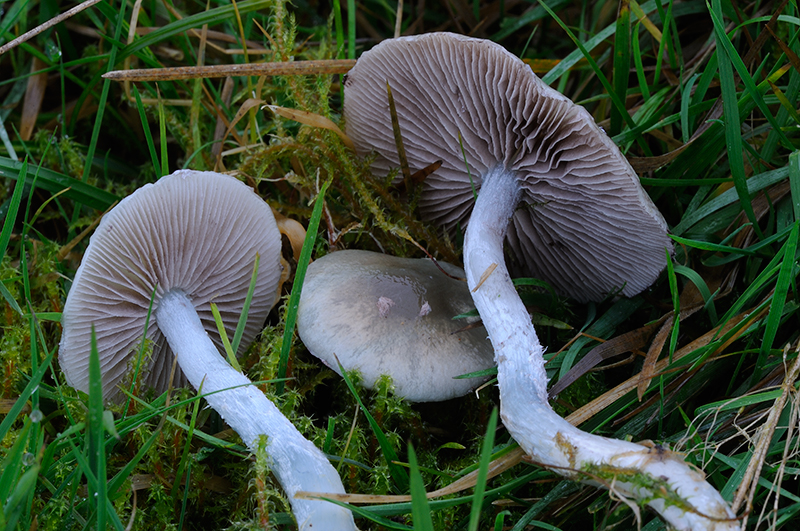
(295, 461)
(659, 478)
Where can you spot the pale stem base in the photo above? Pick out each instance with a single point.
(649, 475)
(295, 461)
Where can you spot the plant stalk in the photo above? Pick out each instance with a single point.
(650, 475)
(295, 461)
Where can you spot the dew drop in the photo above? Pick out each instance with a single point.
(36, 415)
(28, 459)
(53, 52)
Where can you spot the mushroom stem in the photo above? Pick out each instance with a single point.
(295, 461)
(650, 475)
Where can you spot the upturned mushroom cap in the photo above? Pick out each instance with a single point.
(194, 231)
(382, 314)
(583, 223)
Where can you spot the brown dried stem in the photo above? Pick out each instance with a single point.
(289, 68)
(49, 24)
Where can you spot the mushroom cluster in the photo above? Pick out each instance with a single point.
(553, 186)
(189, 240)
(384, 315)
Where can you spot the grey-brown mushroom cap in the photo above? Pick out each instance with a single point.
(382, 314)
(584, 223)
(194, 231)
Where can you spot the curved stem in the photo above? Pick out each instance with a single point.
(295, 461)
(651, 475)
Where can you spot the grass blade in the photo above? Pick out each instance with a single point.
(702, 287)
(665, 39)
(676, 304)
(754, 184)
(560, 491)
(8, 226)
(733, 129)
(55, 182)
(339, 28)
(785, 276)
(13, 208)
(622, 59)
(96, 434)
(572, 59)
(223, 336)
(297, 286)
(420, 511)
(142, 348)
(12, 463)
(724, 43)
(240, 326)
(637, 60)
(794, 183)
(483, 469)
(686, 132)
(185, 459)
(151, 147)
(351, 29)
(398, 474)
(162, 129)
(16, 502)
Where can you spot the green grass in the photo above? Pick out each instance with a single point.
(699, 96)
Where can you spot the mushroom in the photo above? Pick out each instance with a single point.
(191, 239)
(381, 314)
(580, 207)
(574, 212)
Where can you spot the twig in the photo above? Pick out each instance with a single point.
(50, 23)
(283, 68)
(398, 24)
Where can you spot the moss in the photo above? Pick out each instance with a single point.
(640, 482)
(15, 358)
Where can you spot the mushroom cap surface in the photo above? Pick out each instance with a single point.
(382, 314)
(198, 232)
(584, 224)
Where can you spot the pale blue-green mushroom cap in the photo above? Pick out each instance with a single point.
(381, 314)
